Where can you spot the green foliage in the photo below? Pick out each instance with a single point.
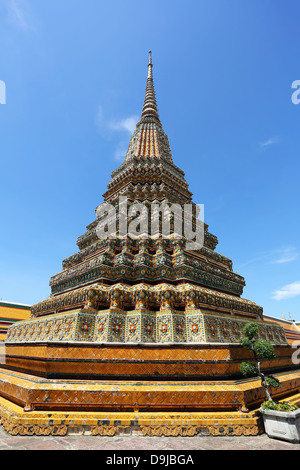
(264, 349)
(272, 381)
(274, 405)
(248, 369)
(250, 330)
(246, 343)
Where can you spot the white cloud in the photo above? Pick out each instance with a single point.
(120, 152)
(127, 124)
(288, 291)
(120, 129)
(286, 255)
(269, 142)
(100, 123)
(19, 15)
(279, 256)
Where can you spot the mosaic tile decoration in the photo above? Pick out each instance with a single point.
(85, 327)
(18, 422)
(116, 330)
(118, 361)
(164, 327)
(195, 328)
(133, 327)
(179, 327)
(148, 328)
(116, 325)
(101, 327)
(229, 330)
(35, 393)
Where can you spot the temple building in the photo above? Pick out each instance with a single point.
(291, 328)
(141, 333)
(11, 313)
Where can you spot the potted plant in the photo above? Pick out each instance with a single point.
(281, 420)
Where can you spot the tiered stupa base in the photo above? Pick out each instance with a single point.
(32, 405)
(156, 372)
(141, 333)
(116, 361)
(59, 423)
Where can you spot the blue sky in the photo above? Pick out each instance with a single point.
(75, 75)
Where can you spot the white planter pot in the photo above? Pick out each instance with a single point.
(283, 425)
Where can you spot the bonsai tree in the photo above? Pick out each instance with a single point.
(262, 350)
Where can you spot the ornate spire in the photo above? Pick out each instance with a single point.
(150, 112)
(149, 139)
(150, 66)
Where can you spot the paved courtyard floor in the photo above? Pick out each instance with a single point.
(132, 443)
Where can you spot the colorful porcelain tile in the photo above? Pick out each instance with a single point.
(194, 327)
(164, 327)
(133, 328)
(116, 331)
(101, 327)
(148, 329)
(179, 328)
(85, 327)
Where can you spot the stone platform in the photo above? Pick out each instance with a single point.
(85, 360)
(18, 421)
(130, 445)
(37, 394)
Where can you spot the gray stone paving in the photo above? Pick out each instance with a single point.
(262, 442)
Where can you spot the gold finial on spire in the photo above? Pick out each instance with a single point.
(150, 108)
(150, 65)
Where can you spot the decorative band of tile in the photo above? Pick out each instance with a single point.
(138, 326)
(142, 295)
(17, 422)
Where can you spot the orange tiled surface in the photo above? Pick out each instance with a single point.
(16, 421)
(11, 314)
(292, 331)
(133, 361)
(45, 394)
